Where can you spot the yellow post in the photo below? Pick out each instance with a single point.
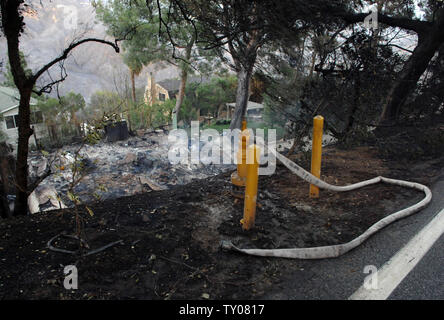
(238, 178)
(318, 125)
(251, 187)
(244, 124)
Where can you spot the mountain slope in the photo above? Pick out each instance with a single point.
(92, 66)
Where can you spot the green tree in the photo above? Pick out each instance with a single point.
(155, 36)
(73, 103)
(51, 108)
(160, 113)
(104, 103)
(210, 98)
(61, 117)
(243, 27)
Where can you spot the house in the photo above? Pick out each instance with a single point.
(155, 92)
(166, 89)
(9, 102)
(254, 110)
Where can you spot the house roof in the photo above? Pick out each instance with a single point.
(173, 85)
(251, 105)
(10, 98)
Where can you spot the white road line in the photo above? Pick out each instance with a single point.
(398, 267)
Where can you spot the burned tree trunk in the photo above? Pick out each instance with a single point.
(4, 180)
(428, 45)
(355, 107)
(4, 204)
(21, 173)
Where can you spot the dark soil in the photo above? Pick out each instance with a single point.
(171, 239)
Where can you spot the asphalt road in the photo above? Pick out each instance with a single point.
(339, 278)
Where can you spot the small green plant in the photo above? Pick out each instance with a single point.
(78, 173)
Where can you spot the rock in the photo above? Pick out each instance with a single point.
(41, 167)
(205, 296)
(302, 207)
(144, 161)
(154, 186)
(275, 222)
(130, 158)
(37, 167)
(147, 163)
(140, 133)
(33, 203)
(44, 198)
(66, 159)
(88, 165)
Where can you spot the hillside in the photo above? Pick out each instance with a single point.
(91, 67)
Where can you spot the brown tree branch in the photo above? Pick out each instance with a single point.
(66, 52)
(418, 26)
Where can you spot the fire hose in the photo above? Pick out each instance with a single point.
(334, 251)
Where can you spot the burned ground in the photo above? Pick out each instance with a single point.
(170, 245)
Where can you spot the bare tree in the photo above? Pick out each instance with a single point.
(12, 25)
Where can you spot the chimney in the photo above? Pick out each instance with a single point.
(153, 90)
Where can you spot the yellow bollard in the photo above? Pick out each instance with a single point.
(318, 124)
(238, 178)
(251, 187)
(244, 125)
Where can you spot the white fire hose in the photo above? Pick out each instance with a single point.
(340, 249)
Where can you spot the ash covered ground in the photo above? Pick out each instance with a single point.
(113, 169)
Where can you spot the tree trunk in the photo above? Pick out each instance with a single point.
(24, 133)
(355, 106)
(133, 95)
(130, 126)
(428, 44)
(133, 86)
(54, 134)
(4, 183)
(181, 95)
(312, 66)
(242, 95)
(4, 204)
(184, 76)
